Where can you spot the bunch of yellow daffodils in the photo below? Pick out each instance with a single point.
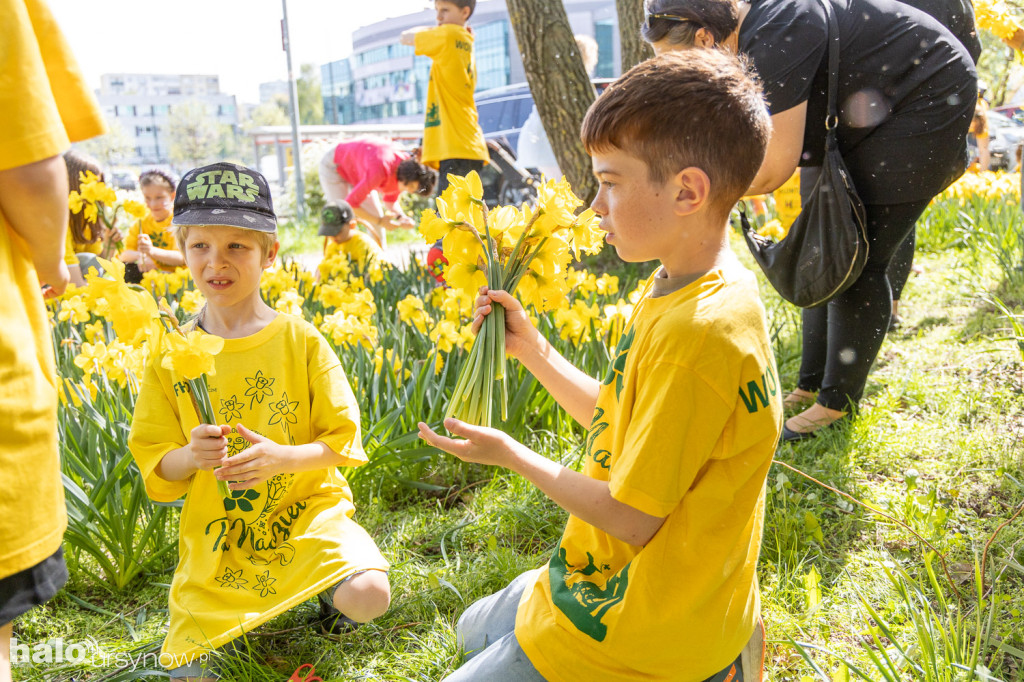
(523, 251)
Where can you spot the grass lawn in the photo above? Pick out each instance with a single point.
(874, 567)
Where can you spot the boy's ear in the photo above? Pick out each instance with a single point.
(465, 12)
(271, 255)
(693, 187)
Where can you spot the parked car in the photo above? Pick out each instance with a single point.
(1014, 111)
(123, 179)
(504, 110)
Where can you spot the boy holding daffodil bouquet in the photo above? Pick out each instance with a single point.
(654, 576)
(288, 420)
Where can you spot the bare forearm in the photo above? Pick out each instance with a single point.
(408, 36)
(34, 200)
(368, 217)
(76, 275)
(311, 456)
(575, 391)
(585, 498)
(166, 256)
(1016, 41)
(176, 465)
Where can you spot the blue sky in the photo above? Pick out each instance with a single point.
(240, 41)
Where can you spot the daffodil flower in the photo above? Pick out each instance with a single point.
(191, 355)
(135, 209)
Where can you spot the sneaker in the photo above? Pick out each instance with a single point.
(895, 322)
(333, 621)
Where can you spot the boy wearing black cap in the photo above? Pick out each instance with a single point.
(286, 532)
(342, 237)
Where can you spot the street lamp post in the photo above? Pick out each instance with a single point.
(300, 189)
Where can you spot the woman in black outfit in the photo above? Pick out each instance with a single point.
(906, 95)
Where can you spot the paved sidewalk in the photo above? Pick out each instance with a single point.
(399, 255)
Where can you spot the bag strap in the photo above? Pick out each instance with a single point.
(832, 120)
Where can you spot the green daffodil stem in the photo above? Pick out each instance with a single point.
(200, 394)
(517, 271)
(502, 366)
(522, 237)
(483, 378)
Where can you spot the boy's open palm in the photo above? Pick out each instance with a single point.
(520, 334)
(254, 465)
(480, 444)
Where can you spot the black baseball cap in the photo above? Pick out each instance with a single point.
(225, 194)
(335, 216)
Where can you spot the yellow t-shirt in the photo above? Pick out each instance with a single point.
(686, 423)
(787, 200)
(73, 248)
(160, 234)
(247, 558)
(44, 105)
(451, 129)
(360, 249)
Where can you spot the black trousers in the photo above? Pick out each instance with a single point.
(901, 264)
(841, 339)
(456, 167)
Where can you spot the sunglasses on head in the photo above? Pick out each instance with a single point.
(667, 17)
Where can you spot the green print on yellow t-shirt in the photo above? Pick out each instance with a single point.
(260, 387)
(756, 397)
(231, 409)
(433, 117)
(159, 239)
(597, 427)
(618, 365)
(582, 600)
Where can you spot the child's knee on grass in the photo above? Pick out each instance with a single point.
(364, 597)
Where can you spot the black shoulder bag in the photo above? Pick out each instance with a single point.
(826, 247)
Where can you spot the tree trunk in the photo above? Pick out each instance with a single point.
(561, 88)
(634, 48)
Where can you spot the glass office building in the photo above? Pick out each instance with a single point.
(383, 81)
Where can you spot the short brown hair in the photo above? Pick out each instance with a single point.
(461, 4)
(266, 240)
(692, 108)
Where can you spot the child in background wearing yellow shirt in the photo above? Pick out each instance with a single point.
(654, 576)
(285, 533)
(343, 237)
(150, 242)
(452, 139)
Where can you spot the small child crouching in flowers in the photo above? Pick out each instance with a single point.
(290, 420)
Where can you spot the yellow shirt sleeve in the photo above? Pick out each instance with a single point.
(430, 41)
(43, 115)
(334, 412)
(676, 408)
(156, 430)
(131, 240)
